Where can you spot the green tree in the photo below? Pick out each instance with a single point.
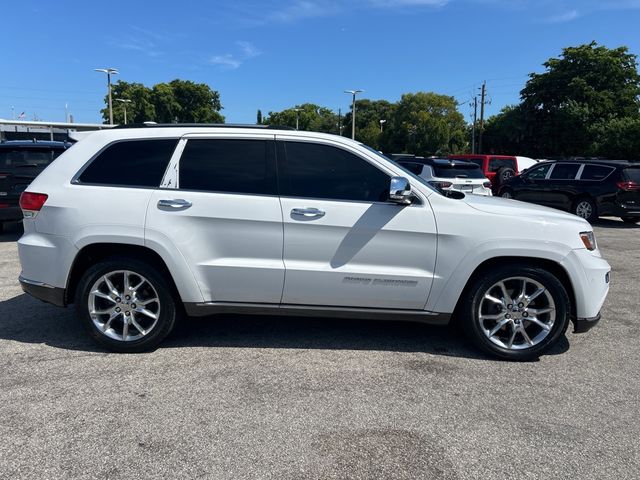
(310, 116)
(141, 109)
(259, 117)
(177, 101)
(566, 109)
(368, 116)
(425, 123)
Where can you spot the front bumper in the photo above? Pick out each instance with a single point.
(44, 292)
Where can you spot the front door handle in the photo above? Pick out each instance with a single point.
(308, 212)
(174, 204)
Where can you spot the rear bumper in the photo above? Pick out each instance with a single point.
(10, 213)
(581, 325)
(44, 292)
(622, 210)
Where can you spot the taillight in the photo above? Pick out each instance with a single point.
(486, 184)
(628, 185)
(31, 203)
(441, 184)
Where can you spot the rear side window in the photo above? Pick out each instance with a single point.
(496, 164)
(230, 166)
(322, 171)
(565, 171)
(131, 163)
(595, 172)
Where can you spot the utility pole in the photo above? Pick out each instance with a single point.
(109, 72)
(473, 126)
(297, 110)
(482, 103)
(340, 121)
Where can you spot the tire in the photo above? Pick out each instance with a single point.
(491, 323)
(107, 328)
(507, 193)
(630, 219)
(503, 174)
(585, 208)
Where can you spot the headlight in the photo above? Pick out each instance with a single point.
(589, 240)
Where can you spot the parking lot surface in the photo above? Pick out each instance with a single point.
(289, 398)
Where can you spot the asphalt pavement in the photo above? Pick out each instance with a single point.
(291, 398)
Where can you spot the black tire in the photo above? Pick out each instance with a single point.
(156, 287)
(507, 193)
(630, 219)
(477, 330)
(504, 174)
(585, 207)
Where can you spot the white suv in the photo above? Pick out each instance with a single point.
(447, 174)
(136, 225)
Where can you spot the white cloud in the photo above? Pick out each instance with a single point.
(563, 17)
(248, 49)
(227, 61)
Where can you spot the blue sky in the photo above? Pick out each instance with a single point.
(273, 54)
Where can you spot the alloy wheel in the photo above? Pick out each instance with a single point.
(584, 209)
(124, 305)
(516, 313)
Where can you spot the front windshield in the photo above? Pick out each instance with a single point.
(404, 169)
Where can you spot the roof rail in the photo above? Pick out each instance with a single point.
(203, 125)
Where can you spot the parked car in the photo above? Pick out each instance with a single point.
(447, 174)
(587, 188)
(497, 168)
(20, 162)
(135, 225)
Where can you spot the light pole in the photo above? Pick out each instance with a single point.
(382, 122)
(109, 72)
(297, 110)
(353, 111)
(124, 102)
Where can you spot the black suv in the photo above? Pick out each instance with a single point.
(587, 188)
(21, 162)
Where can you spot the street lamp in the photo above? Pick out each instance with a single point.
(382, 122)
(109, 72)
(353, 111)
(124, 102)
(297, 110)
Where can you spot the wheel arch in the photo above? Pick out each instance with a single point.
(95, 252)
(550, 265)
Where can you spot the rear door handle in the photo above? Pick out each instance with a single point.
(174, 204)
(308, 212)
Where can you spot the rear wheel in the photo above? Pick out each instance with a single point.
(585, 208)
(125, 305)
(504, 174)
(630, 219)
(516, 312)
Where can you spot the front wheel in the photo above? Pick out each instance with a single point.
(506, 194)
(516, 312)
(125, 305)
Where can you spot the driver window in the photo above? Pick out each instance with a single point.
(539, 173)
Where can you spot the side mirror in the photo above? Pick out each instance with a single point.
(400, 190)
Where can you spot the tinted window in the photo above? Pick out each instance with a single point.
(457, 171)
(233, 166)
(322, 171)
(538, 173)
(565, 171)
(415, 168)
(496, 164)
(15, 157)
(632, 174)
(136, 163)
(595, 172)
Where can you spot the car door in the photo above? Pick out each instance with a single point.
(532, 186)
(220, 209)
(561, 185)
(344, 243)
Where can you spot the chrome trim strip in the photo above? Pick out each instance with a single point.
(214, 308)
